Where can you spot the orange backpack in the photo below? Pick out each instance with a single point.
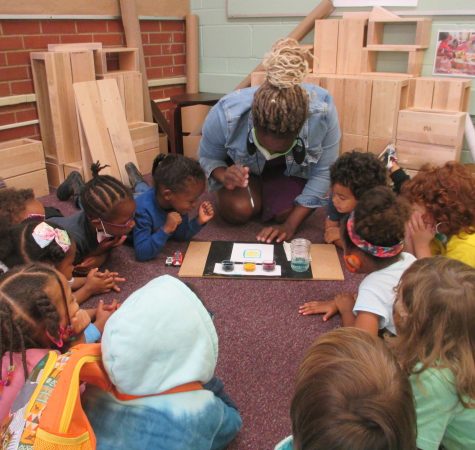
(53, 417)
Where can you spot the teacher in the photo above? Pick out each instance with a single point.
(267, 151)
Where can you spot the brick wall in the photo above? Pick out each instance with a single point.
(164, 49)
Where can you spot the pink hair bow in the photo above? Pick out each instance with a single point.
(44, 234)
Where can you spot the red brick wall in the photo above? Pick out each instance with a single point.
(164, 49)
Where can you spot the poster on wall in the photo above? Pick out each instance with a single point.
(455, 54)
(356, 3)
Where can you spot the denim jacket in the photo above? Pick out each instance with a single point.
(227, 126)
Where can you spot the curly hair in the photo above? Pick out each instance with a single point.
(175, 172)
(358, 172)
(280, 104)
(448, 195)
(437, 296)
(26, 309)
(12, 203)
(102, 193)
(351, 394)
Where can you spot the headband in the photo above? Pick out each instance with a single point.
(44, 234)
(375, 250)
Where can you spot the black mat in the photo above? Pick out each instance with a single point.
(221, 250)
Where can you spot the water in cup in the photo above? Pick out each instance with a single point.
(300, 251)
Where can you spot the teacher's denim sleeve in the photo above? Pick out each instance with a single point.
(212, 152)
(322, 153)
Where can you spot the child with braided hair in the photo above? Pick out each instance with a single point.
(37, 313)
(373, 241)
(267, 150)
(106, 219)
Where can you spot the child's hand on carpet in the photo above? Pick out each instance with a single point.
(99, 282)
(116, 278)
(205, 213)
(328, 309)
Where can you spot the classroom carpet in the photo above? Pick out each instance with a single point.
(262, 338)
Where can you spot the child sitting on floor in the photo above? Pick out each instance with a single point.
(162, 345)
(351, 175)
(162, 212)
(434, 315)
(106, 219)
(373, 242)
(40, 241)
(443, 221)
(351, 395)
(38, 313)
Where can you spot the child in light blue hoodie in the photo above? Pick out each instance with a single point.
(162, 339)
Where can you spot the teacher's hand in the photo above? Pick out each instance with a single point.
(236, 177)
(278, 233)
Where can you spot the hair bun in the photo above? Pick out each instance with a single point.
(286, 64)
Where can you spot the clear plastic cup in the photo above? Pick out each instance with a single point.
(300, 255)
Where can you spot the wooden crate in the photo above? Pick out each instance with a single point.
(388, 98)
(377, 144)
(21, 156)
(74, 166)
(55, 172)
(35, 180)
(422, 34)
(145, 159)
(351, 40)
(193, 117)
(431, 128)
(325, 46)
(129, 83)
(53, 77)
(128, 59)
(413, 155)
(351, 142)
(144, 136)
(414, 60)
(191, 145)
(357, 104)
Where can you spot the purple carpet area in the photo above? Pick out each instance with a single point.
(262, 338)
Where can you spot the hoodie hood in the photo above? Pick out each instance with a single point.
(161, 337)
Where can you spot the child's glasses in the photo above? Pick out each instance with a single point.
(128, 224)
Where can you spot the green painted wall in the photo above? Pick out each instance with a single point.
(231, 47)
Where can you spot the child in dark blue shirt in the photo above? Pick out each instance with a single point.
(162, 211)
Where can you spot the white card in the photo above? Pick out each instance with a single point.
(256, 253)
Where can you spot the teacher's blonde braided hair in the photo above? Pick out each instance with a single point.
(280, 104)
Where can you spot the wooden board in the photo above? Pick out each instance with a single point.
(74, 47)
(193, 117)
(431, 128)
(144, 136)
(145, 159)
(351, 38)
(191, 145)
(325, 262)
(414, 155)
(421, 93)
(36, 180)
(325, 46)
(82, 66)
(376, 144)
(335, 85)
(128, 59)
(451, 95)
(55, 173)
(350, 142)
(20, 156)
(357, 104)
(74, 166)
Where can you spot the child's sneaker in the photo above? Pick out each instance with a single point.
(388, 156)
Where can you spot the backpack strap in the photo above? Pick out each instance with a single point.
(193, 386)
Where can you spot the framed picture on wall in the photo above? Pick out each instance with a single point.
(455, 53)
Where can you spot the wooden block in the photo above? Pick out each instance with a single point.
(74, 47)
(422, 31)
(21, 156)
(192, 118)
(145, 159)
(325, 262)
(376, 144)
(387, 99)
(36, 180)
(379, 13)
(82, 66)
(129, 83)
(414, 63)
(74, 166)
(128, 59)
(144, 135)
(191, 145)
(392, 75)
(325, 46)
(414, 155)
(421, 93)
(195, 259)
(357, 104)
(375, 33)
(431, 128)
(55, 173)
(350, 142)
(351, 39)
(451, 95)
(335, 85)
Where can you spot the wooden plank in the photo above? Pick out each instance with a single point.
(357, 104)
(376, 144)
(414, 155)
(387, 99)
(55, 173)
(423, 31)
(128, 58)
(350, 142)
(116, 123)
(21, 156)
(375, 34)
(36, 180)
(144, 136)
(133, 96)
(325, 263)
(195, 260)
(74, 47)
(82, 67)
(421, 93)
(325, 46)
(165, 8)
(431, 128)
(145, 159)
(393, 47)
(414, 62)
(336, 87)
(451, 95)
(351, 38)
(96, 145)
